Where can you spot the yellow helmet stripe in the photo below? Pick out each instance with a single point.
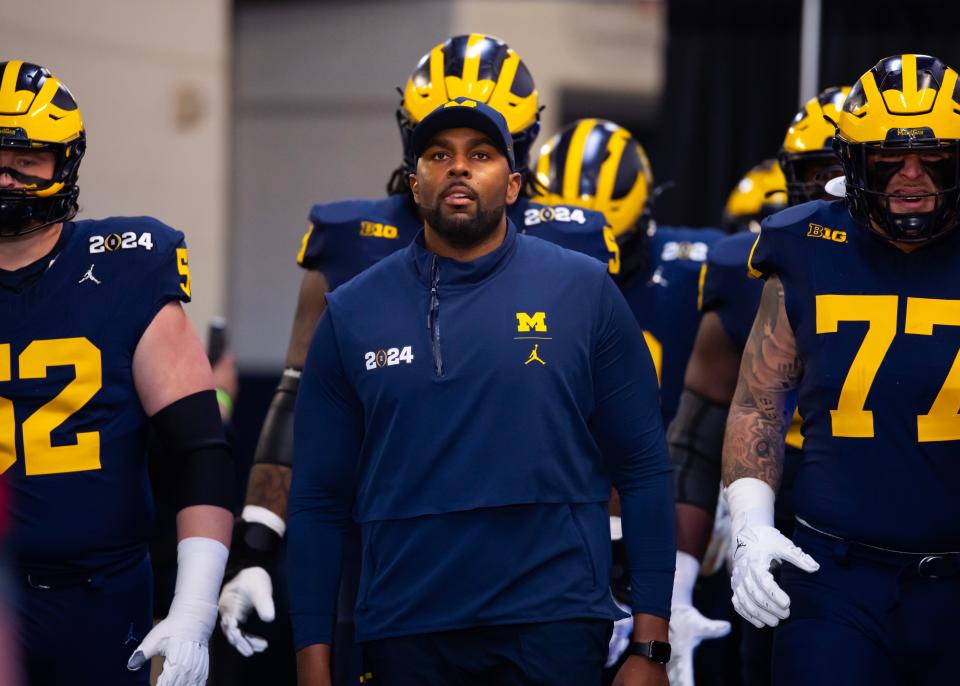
(871, 89)
(608, 170)
(8, 88)
(909, 75)
(571, 169)
(436, 70)
(471, 58)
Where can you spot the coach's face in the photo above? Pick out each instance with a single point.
(463, 185)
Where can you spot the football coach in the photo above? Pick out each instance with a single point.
(469, 401)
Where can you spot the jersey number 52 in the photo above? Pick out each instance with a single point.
(39, 456)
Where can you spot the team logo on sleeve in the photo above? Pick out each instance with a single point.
(376, 230)
(388, 357)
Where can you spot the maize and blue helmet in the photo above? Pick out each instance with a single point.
(906, 104)
(38, 113)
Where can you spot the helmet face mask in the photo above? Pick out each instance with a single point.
(38, 113)
(905, 112)
(935, 195)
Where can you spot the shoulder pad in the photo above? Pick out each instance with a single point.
(732, 251)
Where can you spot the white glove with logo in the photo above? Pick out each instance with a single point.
(687, 626)
(250, 588)
(758, 545)
(182, 636)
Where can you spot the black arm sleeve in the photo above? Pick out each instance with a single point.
(695, 438)
(275, 445)
(191, 433)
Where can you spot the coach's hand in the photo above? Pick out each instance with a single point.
(756, 596)
(250, 588)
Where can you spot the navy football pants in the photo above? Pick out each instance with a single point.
(561, 653)
(83, 633)
(865, 619)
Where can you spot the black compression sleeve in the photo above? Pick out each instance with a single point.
(695, 438)
(191, 433)
(275, 445)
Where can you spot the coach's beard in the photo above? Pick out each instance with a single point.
(463, 232)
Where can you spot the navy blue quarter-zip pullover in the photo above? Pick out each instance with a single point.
(471, 416)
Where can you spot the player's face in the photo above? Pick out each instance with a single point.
(462, 185)
(907, 176)
(21, 168)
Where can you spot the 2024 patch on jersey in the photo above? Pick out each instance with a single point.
(72, 428)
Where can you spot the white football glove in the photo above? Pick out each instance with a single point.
(621, 636)
(182, 637)
(687, 626)
(250, 588)
(756, 596)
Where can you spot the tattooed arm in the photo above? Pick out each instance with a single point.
(769, 370)
(753, 462)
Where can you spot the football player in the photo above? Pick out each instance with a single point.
(94, 346)
(599, 165)
(858, 315)
(345, 238)
(728, 301)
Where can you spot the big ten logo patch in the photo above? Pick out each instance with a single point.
(818, 231)
(375, 230)
(684, 250)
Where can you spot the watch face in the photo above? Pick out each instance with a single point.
(660, 652)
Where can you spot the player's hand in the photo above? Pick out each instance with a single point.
(250, 588)
(639, 671)
(687, 629)
(756, 596)
(182, 640)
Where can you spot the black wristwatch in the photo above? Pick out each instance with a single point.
(655, 651)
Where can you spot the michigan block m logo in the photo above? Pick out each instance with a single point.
(537, 322)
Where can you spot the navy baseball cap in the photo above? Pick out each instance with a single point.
(464, 113)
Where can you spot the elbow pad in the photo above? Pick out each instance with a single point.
(191, 433)
(695, 438)
(275, 445)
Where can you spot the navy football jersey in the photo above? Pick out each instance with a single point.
(727, 289)
(664, 301)
(344, 238)
(71, 424)
(879, 333)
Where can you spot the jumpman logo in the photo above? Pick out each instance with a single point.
(89, 277)
(534, 357)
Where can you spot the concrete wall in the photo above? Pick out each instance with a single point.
(315, 98)
(152, 80)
